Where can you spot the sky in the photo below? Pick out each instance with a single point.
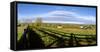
(56, 14)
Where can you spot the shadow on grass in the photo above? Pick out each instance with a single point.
(30, 40)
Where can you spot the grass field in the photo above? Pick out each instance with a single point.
(20, 31)
(52, 32)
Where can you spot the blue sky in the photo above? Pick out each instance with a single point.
(57, 14)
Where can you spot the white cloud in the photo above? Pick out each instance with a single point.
(89, 18)
(58, 14)
(52, 13)
(62, 12)
(71, 22)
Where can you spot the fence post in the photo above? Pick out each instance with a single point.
(71, 40)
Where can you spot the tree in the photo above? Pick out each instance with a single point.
(38, 22)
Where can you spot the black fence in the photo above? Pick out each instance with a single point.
(31, 39)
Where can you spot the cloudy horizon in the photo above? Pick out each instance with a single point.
(57, 14)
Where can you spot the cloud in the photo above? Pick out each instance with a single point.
(71, 22)
(56, 13)
(66, 17)
(62, 16)
(89, 18)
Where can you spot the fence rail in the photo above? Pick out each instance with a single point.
(62, 39)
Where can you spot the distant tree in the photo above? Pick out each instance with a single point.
(38, 22)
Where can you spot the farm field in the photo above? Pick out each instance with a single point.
(55, 26)
(58, 35)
